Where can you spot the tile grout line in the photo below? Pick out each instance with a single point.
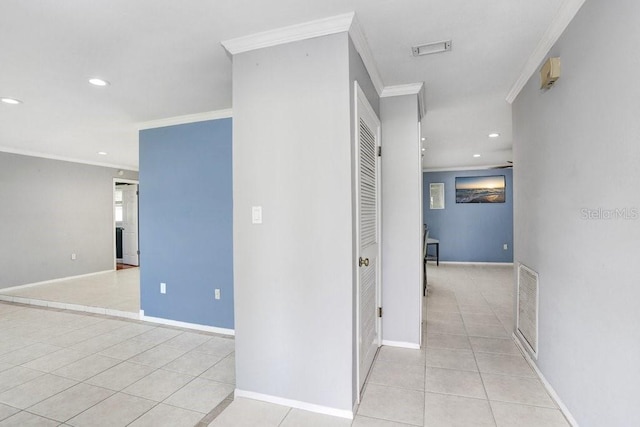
(493, 416)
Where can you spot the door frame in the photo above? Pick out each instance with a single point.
(358, 96)
(113, 212)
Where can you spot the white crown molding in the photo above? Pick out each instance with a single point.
(362, 47)
(565, 14)
(189, 118)
(400, 90)
(408, 89)
(322, 27)
(465, 168)
(65, 159)
(292, 33)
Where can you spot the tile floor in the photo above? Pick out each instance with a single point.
(470, 373)
(66, 368)
(117, 291)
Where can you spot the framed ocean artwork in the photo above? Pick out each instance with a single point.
(480, 189)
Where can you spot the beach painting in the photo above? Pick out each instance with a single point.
(480, 189)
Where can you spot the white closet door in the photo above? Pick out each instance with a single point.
(368, 227)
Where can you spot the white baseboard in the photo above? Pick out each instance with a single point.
(547, 386)
(475, 263)
(401, 344)
(342, 413)
(30, 285)
(68, 306)
(198, 327)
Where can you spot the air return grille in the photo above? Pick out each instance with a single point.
(527, 315)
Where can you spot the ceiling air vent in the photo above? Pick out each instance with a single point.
(429, 48)
(527, 313)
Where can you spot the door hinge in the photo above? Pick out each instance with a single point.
(137, 193)
(379, 311)
(138, 252)
(379, 150)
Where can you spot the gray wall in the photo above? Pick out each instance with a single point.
(401, 221)
(293, 282)
(51, 209)
(577, 157)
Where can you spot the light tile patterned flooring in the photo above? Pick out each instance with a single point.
(66, 368)
(114, 290)
(470, 373)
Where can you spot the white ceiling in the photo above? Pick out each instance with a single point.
(164, 59)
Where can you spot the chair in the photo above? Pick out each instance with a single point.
(436, 243)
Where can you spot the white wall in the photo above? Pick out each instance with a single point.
(293, 274)
(576, 148)
(401, 221)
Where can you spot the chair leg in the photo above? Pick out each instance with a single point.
(424, 281)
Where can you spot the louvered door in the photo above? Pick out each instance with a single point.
(367, 164)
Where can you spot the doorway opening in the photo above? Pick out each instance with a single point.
(125, 217)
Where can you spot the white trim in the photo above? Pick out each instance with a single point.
(71, 307)
(291, 33)
(565, 14)
(359, 40)
(65, 159)
(195, 326)
(342, 413)
(506, 264)
(497, 167)
(44, 282)
(189, 118)
(408, 89)
(547, 385)
(346, 22)
(531, 350)
(400, 90)
(401, 344)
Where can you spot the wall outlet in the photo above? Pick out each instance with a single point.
(217, 294)
(163, 288)
(73, 257)
(505, 247)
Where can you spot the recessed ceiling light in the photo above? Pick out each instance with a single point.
(11, 101)
(476, 155)
(102, 153)
(98, 82)
(494, 135)
(424, 139)
(423, 149)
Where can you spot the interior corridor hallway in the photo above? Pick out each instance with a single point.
(468, 373)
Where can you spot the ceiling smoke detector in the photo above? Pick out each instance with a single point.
(430, 48)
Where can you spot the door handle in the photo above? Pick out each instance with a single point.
(364, 262)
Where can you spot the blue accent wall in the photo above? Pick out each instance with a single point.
(470, 232)
(186, 222)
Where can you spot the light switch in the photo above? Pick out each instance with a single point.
(256, 214)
